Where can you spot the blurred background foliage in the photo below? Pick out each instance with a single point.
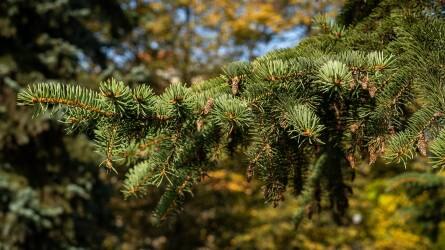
(53, 195)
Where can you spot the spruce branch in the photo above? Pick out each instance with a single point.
(308, 192)
(117, 96)
(437, 148)
(46, 94)
(230, 113)
(334, 76)
(340, 95)
(305, 123)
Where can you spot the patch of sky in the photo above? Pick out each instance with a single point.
(285, 39)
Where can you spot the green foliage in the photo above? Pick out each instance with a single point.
(51, 196)
(307, 195)
(347, 94)
(230, 113)
(334, 76)
(305, 123)
(437, 148)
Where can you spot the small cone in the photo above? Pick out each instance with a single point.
(208, 106)
(421, 144)
(199, 124)
(351, 159)
(235, 85)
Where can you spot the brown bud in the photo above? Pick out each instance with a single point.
(373, 153)
(235, 85)
(354, 127)
(376, 148)
(108, 164)
(283, 123)
(199, 124)
(422, 144)
(382, 147)
(351, 159)
(364, 83)
(372, 157)
(208, 106)
(372, 90)
(391, 130)
(351, 84)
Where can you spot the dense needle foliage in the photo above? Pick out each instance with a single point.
(304, 117)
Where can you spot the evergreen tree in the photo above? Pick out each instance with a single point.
(303, 116)
(51, 196)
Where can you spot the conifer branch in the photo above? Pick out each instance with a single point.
(308, 192)
(337, 90)
(62, 94)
